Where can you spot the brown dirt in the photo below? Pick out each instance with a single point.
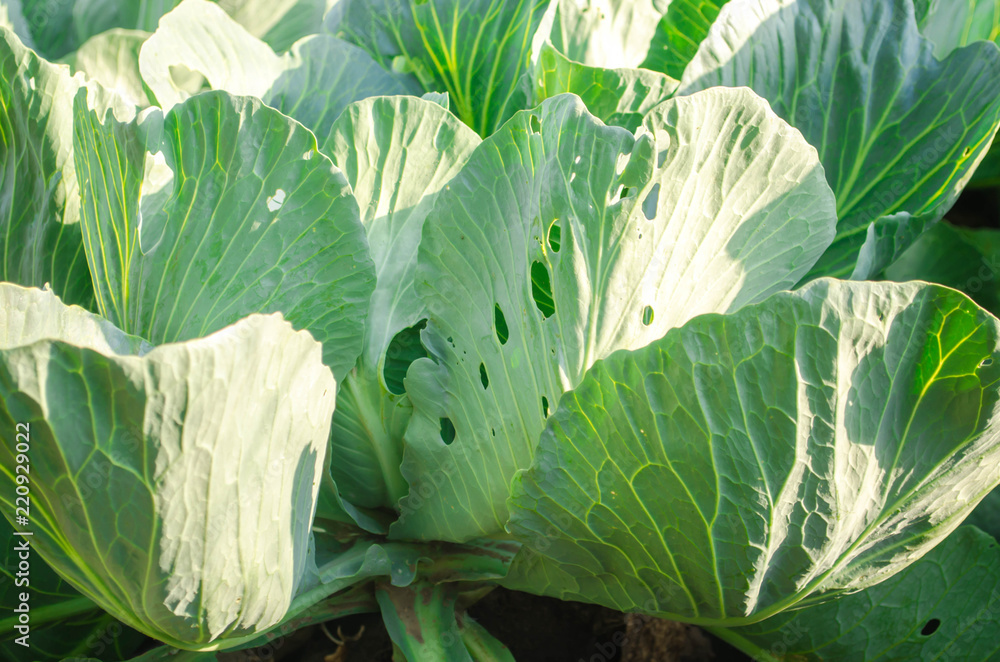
(535, 629)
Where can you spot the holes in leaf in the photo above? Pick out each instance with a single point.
(967, 152)
(650, 203)
(986, 363)
(483, 377)
(275, 201)
(541, 289)
(751, 134)
(555, 236)
(545, 407)
(622, 194)
(647, 315)
(404, 349)
(535, 124)
(500, 325)
(931, 627)
(447, 431)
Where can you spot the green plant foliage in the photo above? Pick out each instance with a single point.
(828, 475)
(317, 308)
(898, 159)
(944, 605)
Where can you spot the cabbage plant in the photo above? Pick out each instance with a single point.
(321, 308)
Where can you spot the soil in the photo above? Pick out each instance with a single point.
(536, 629)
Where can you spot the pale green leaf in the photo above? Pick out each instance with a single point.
(198, 46)
(624, 237)
(28, 315)
(198, 40)
(322, 76)
(951, 24)
(477, 51)
(679, 34)
(621, 97)
(177, 489)
(40, 233)
(112, 59)
(944, 606)
(238, 213)
(280, 23)
(397, 154)
(612, 34)
(813, 444)
(914, 130)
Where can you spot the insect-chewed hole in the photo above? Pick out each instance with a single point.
(749, 136)
(930, 627)
(275, 201)
(647, 315)
(545, 407)
(447, 431)
(986, 363)
(483, 377)
(535, 124)
(650, 203)
(555, 236)
(500, 325)
(541, 289)
(404, 349)
(967, 152)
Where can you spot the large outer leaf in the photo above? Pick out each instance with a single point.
(818, 442)
(705, 225)
(40, 235)
(913, 129)
(251, 218)
(621, 97)
(175, 490)
(476, 50)
(397, 154)
(944, 606)
(613, 34)
(679, 34)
